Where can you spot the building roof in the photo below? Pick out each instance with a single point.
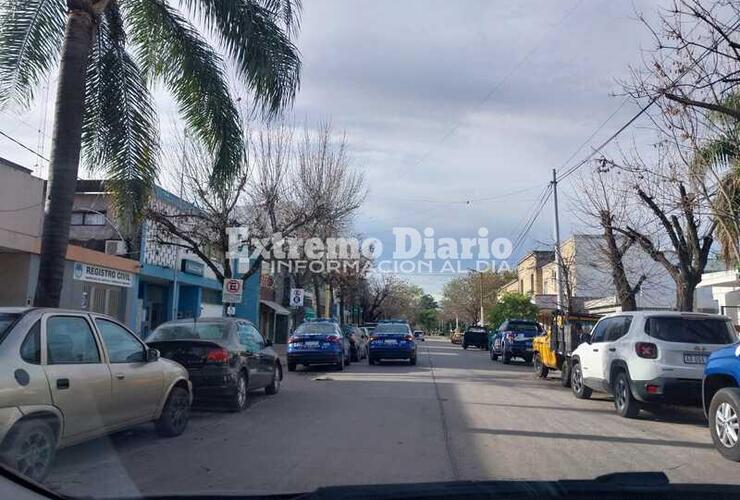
(538, 254)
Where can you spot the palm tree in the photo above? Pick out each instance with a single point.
(108, 54)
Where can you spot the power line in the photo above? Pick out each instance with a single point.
(19, 143)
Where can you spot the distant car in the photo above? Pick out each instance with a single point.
(475, 335)
(319, 342)
(648, 357)
(226, 358)
(392, 340)
(721, 399)
(419, 335)
(357, 342)
(70, 376)
(513, 339)
(456, 337)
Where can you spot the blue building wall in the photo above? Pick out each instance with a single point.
(250, 306)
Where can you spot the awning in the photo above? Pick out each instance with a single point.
(275, 307)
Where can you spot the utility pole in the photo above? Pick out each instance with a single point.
(558, 256)
(480, 281)
(175, 279)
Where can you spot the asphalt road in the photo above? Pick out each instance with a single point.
(454, 416)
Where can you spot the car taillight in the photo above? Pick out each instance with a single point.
(332, 339)
(294, 340)
(646, 350)
(509, 336)
(409, 337)
(219, 355)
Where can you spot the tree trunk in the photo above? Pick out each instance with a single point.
(65, 156)
(685, 289)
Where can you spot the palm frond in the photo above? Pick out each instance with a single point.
(171, 49)
(288, 11)
(31, 37)
(265, 57)
(120, 134)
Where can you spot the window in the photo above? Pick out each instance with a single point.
(617, 328)
(531, 283)
(250, 338)
(31, 347)
(83, 218)
(121, 345)
(206, 330)
(70, 340)
(691, 330)
(600, 330)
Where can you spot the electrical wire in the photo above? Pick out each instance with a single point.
(19, 143)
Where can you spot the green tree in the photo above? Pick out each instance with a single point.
(512, 305)
(108, 52)
(428, 312)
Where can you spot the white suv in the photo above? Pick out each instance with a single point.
(648, 356)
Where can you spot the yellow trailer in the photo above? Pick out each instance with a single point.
(552, 349)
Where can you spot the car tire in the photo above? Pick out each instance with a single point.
(527, 359)
(412, 361)
(506, 358)
(291, 366)
(465, 346)
(26, 435)
(277, 377)
(348, 359)
(539, 367)
(724, 414)
(494, 356)
(576, 383)
(340, 364)
(238, 401)
(176, 413)
(565, 373)
(624, 402)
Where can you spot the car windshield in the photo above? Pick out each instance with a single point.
(369, 242)
(315, 329)
(691, 331)
(190, 331)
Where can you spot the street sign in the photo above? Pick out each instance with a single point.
(296, 297)
(232, 292)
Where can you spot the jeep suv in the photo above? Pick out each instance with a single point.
(648, 357)
(721, 398)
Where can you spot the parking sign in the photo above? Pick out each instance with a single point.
(296, 297)
(232, 291)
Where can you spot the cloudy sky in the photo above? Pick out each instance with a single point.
(456, 111)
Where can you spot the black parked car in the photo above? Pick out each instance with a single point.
(357, 342)
(225, 357)
(477, 336)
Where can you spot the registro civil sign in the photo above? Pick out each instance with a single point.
(232, 292)
(103, 275)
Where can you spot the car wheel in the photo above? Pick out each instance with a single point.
(494, 356)
(238, 401)
(506, 358)
(539, 367)
(175, 414)
(412, 361)
(340, 365)
(348, 359)
(465, 346)
(565, 373)
(31, 448)
(291, 366)
(277, 377)
(371, 360)
(576, 383)
(625, 404)
(723, 422)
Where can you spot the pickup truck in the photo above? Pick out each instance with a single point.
(514, 339)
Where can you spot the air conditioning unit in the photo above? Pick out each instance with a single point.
(115, 247)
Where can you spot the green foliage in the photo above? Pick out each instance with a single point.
(427, 316)
(31, 35)
(512, 305)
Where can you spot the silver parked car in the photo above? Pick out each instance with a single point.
(70, 376)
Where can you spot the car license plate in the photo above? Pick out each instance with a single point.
(311, 343)
(390, 342)
(695, 359)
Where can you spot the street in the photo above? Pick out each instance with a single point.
(454, 416)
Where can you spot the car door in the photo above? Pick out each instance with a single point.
(593, 355)
(613, 336)
(251, 350)
(136, 384)
(79, 380)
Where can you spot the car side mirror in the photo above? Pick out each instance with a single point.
(152, 355)
(587, 339)
(268, 342)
